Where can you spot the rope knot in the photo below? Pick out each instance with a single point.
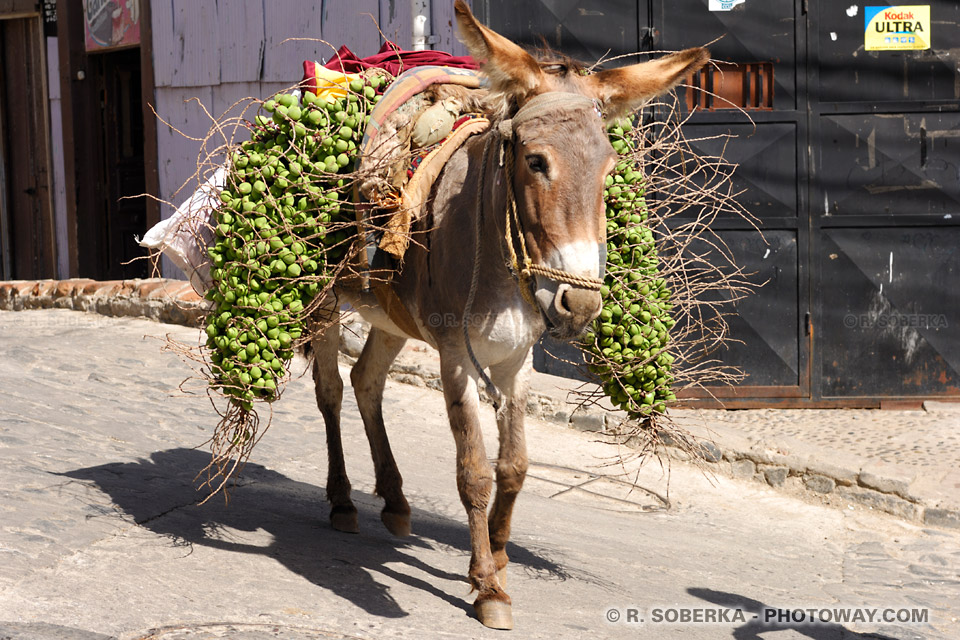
(505, 129)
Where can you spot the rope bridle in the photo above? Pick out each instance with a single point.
(521, 266)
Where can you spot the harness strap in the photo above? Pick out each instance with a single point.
(398, 313)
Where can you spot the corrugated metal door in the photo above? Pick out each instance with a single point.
(760, 76)
(885, 205)
(850, 162)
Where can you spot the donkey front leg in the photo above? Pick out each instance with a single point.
(369, 376)
(512, 378)
(474, 482)
(329, 389)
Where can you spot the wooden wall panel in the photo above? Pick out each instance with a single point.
(445, 28)
(282, 20)
(165, 47)
(186, 43)
(349, 22)
(227, 95)
(241, 40)
(396, 22)
(178, 150)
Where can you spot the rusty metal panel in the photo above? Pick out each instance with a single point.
(848, 73)
(889, 164)
(889, 324)
(186, 51)
(241, 42)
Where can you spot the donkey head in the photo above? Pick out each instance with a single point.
(561, 156)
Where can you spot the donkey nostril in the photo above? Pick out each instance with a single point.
(562, 303)
(565, 303)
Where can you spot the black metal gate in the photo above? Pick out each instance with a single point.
(885, 207)
(852, 165)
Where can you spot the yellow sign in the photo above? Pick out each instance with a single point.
(897, 28)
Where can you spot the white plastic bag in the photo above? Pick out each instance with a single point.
(185, 236)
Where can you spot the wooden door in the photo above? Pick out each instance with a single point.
(27, 245)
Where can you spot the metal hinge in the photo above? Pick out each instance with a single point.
(807, 324)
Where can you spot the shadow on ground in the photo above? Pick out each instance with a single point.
(158, 493)
(758, 629)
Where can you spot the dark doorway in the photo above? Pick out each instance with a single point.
(27, 249)
(117, 78)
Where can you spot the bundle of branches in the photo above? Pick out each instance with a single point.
(285, 228)
(671, 280)
(284, 225)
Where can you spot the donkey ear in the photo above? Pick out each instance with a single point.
(510, 68)
(623, 90)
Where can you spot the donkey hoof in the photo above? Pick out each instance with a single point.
(495, 614)
(396, 523)
(344, 519)
(502, 578)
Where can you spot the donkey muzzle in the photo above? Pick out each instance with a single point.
(567, 309)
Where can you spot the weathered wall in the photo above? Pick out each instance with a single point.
(58, 181)
(208, 54)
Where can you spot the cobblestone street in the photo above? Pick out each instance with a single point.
(101, 535)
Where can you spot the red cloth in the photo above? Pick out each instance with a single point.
(392, 59)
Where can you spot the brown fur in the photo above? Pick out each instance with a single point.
(560, 162)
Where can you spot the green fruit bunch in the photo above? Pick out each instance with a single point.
(627, 345)
(282, 231)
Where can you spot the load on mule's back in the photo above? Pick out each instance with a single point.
(510, 245)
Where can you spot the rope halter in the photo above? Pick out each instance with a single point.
(522, 267)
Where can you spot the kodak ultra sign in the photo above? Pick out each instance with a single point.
(897, 28)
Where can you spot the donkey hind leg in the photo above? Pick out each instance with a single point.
(512, 379)
(369, 376)
(329, 388)
(474, 482)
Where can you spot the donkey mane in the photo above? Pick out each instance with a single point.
(498, 103)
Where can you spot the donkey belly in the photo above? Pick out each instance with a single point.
(367, 305)
(494, 337)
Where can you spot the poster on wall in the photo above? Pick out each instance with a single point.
(899, 28)
(111, 24)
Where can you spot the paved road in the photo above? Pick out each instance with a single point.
(101, 535)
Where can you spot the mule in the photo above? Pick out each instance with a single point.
(532, 185)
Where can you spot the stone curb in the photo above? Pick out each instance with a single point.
(889, 489)
(170, 301)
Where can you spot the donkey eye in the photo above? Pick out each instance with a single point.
(537, 163)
